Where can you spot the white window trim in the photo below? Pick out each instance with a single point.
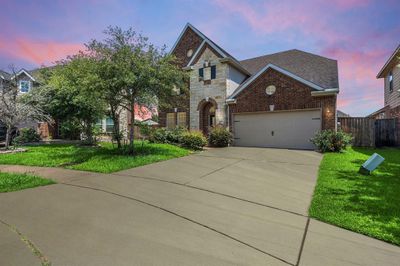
(20, 86)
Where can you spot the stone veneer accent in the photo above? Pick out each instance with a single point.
(290, 95)
(216, 89)
(189, 40)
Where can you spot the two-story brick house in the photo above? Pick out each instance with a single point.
(277, 100)
(390, 72)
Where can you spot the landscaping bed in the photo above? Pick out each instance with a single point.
(104, 158)
(368, 205)
(13, 182)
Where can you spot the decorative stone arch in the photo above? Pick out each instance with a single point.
(205, 101)
(207, 109)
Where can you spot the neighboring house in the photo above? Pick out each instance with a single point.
(278, 100)
(390, 72)
(340, 114)
(379, 114)
(28, 80)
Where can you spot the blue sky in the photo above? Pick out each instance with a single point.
(360, 34)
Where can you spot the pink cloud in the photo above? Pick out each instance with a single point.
(37, 51)
(357, 71)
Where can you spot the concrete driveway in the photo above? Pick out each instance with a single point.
(231, 206)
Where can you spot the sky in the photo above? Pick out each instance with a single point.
(360, 34)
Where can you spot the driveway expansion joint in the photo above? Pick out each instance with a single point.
(214, 171)
(214, 192)
(35, 250)
(303, 241)
(185, 218)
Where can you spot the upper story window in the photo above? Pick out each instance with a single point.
(207, 73)
(390, 80)
(24, 86)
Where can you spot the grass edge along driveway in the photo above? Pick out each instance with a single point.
(105, 158)
(369, 205)
(13, 181)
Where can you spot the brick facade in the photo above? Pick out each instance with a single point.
(189, 40)
(290, 95)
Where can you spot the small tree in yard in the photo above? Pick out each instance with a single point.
(141, 73)
(15, 108)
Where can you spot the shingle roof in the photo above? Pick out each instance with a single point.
(319, 70)
(4, 74)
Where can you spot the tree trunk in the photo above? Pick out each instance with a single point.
(89, 133)
(132, 128)
(116, 129)
(8, 137)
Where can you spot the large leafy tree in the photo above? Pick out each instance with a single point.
(134, 72)
(73, 92)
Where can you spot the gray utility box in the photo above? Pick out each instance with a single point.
(371, 164)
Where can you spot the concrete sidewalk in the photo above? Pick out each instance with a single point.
(234, 206)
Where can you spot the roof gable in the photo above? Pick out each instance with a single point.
(389, 63)
(316, 69)
(276, 68)
(206, 41)
(23, 71)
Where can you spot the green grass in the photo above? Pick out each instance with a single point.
(368, 205)
(13, 182)
(103, 159)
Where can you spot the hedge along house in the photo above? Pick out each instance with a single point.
(279, 100)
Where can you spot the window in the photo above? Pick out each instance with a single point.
(390, 80)
(24, 86)
(181, 119)
(109, 125)
(201, 74)
(213, 72)
(171, 120)
(99, 124)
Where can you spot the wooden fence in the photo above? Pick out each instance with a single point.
(368, 132)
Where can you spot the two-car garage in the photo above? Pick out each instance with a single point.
(285, 129)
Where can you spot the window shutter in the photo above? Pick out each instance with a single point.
(213, 72)
(201, 73)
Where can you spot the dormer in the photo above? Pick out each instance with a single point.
(25, 81)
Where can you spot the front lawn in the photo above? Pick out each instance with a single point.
(104, 159)
(368, 205)
(12, 182)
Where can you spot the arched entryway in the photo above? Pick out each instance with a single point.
(207, 109)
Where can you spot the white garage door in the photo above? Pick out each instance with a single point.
(278, 129)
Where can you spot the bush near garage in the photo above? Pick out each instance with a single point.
(220, 137)
(331, 141)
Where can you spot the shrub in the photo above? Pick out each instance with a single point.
(171, 136)
(70, 129)
(194, 140)
(220, 137)
(331, 141)
(27, 135)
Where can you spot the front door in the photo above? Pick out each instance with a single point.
(207, 120)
